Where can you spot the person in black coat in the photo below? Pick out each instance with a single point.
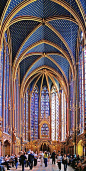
(16, 161)
(2, 168)
(22, 158)
(53, 157)
(65, 162)
(30, 160)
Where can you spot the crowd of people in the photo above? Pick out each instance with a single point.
(31, 159)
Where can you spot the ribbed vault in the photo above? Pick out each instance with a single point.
(46, 36)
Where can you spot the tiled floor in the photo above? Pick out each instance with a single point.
(50, 167)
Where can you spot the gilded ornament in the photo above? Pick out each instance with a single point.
(0, 134)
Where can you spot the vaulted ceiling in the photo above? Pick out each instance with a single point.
(43, 37)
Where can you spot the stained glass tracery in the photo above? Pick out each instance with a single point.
(44, 102)
(1, 78)
(34, 114)
(71, 105)
(63, 116)
(54, 115)
(85, 81)
(6, 85)
(81, 90)
(45, 131)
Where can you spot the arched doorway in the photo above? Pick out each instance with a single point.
(6, 148)
(45, 146)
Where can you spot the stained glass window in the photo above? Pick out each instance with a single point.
(85, 81)
(53, 111)
(5, 83)
(1, 78)
(17, 105)
(71, 105)
(34, 114)
(81, 90)
(7, 90)
(21, 124)
(63, 117)
(26, 115)
(44, 102)
(5, 69)
(45, 131)
(54, 115)
(57, 117)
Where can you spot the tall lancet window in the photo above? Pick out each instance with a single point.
(81, 89)
(27, 101)
(71, 105)
(17, 104)
(44, 102)
(54, 115)
(85, 81)
(5, 72)
(34, 114)
(1, 77)
(63, 116)
(7, 90)
(6, 86)
(26, 116)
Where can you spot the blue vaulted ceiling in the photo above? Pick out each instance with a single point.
(25, 64)
(43, 48)
(2, 5)
(74, 5)
(43, 39)
(43, 33)
(42, 9)
(12, 4)
(63, 27)
(83, 2)
(19, 32)
(41, 62)
(63, 63)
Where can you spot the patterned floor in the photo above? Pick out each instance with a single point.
(50, 167)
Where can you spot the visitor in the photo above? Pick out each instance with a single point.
(75, 169)
(30, 160)
(12, 159)
(84, 165)
(59, 161)
(22, 158)
(26, 163)
(45, 158)
(2, 168)
(77, 158)
(35, 158)
(16, 161)
(41, 156)
(53, 156)
(79, 166)
(65, 162)
(5, 162)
